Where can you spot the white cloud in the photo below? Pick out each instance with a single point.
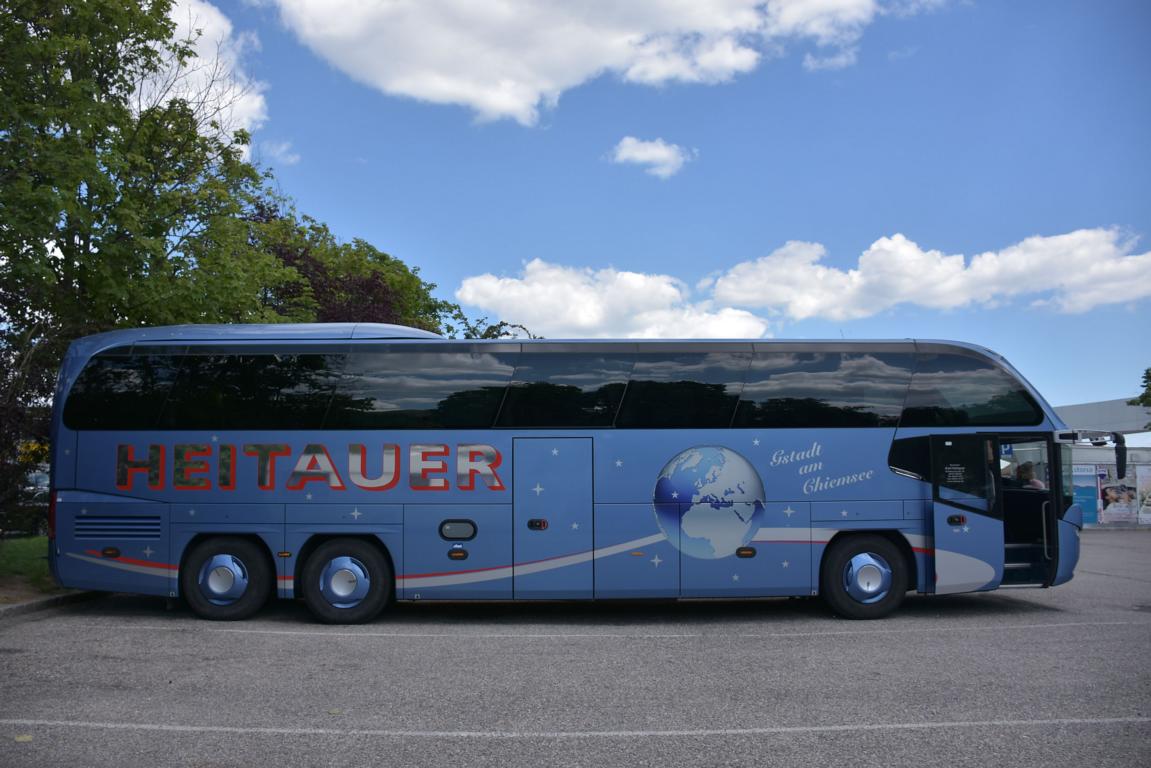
(912, 7)
(657, 157)
(1074, 272)
(828, 22)
(215, 79)
(1071, 273)
(902, 53)
(279, 152)
(841, 59)
(565, 302)
(510, 58)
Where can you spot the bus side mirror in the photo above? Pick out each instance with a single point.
(1120, 455)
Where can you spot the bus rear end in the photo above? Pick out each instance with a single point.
(100, 538)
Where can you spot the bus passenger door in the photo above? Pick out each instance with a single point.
(552, 521)
(1030, 524)
(967, 517)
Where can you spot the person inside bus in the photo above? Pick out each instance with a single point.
(1027, 478)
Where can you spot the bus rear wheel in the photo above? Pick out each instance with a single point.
(863, 576)
(346, 581)
(226, 579)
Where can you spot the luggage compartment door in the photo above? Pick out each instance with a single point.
(552, 527)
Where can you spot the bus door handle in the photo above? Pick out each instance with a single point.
(1043, 517)
(537, 524)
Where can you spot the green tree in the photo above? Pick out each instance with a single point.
(458, 325)
(1144, 399)
(114, 211)
(339, 281)
(356, 282)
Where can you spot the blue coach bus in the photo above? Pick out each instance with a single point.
(354, 464)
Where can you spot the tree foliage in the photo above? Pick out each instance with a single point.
(115, 211)
(458, 325)
(1144, 398)
(341, 282)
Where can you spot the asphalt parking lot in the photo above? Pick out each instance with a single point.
(1014, 677)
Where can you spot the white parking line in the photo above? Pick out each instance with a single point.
(199, 627)
(184, 627)
(974, 628)
(686, 732)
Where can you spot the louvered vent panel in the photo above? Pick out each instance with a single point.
(118, 527)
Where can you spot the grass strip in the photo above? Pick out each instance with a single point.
(25, 560)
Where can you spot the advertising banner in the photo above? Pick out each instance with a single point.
(1085, 486)
(1143, 491)
(1116, 496)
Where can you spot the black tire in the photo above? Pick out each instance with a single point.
(836, 563)
(247, 558)
(367, 560)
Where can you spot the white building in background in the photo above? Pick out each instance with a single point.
(1116, 500)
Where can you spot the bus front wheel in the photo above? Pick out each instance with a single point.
(226, 579)
(346, 581)
(863, 576)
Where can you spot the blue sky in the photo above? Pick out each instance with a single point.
(797, 169)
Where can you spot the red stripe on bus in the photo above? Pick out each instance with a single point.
(132, 560)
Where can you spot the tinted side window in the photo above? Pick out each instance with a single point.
(118, 390)
(565, 390)
(222, 389)
(953, 390)
(962, 469)
(683, 390)
(411, 388)
(825, 389)
(911, 455)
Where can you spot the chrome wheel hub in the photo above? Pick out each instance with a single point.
(223, 579)
(867, 577)
(344, 582)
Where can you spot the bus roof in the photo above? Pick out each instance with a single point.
(192, 332)
(88, 346)
(91, 345)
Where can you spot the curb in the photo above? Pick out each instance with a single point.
(45, 603)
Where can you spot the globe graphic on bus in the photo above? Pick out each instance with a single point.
(710, 500)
